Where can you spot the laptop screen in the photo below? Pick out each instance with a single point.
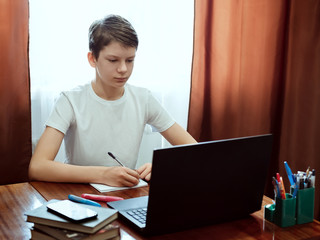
(209, 182)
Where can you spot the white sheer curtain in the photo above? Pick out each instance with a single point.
(59, 46)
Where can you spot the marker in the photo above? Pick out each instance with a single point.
(102, 198)
(278, 177)
(282, 189)
(111, 155)
(290, 175)
(83, 200)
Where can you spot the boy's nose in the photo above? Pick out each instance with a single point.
(122, 67)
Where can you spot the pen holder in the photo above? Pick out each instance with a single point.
(285, 211)
(305, 205)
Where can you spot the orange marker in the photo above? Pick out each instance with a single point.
(282, 189)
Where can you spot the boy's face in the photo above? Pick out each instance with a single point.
(114, 65)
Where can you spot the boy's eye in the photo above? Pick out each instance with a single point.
(112, 60)
(130, 60)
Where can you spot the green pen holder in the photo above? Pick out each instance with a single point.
(305, 205)
(290, 211)
(283, 212)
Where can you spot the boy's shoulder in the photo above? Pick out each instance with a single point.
(79, 88)
(77, 91)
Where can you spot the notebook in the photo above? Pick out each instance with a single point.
(106, 188)
(41, 215)
(201, 184)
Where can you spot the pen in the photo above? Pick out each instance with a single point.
(111, 155)
(276, 184)
(296, 186)
(307, 172)
(275, 189)
(101, 197)
(301, 183)
(307, 182)
(83, 200)
(290, 176)
(313, 177)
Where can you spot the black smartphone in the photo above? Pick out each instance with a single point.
(71, 211)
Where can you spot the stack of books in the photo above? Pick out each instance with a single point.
(50, 226)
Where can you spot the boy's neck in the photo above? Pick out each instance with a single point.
(107, 93)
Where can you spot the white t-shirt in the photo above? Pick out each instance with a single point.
(94, 126)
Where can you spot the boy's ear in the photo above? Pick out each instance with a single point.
(91, 59)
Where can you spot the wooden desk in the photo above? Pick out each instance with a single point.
(253, 227)
(15, 200)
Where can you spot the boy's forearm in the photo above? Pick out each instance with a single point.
(52, 171)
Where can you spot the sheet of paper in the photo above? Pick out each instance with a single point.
(106, 188)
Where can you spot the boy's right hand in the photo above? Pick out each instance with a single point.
(121, 177)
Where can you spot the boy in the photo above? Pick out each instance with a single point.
(106, 115)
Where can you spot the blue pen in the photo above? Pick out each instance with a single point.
(83, 200)
(295, 190)
(290, 175)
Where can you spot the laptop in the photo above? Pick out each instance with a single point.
(200, 184)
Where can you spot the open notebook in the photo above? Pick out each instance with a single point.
(106, 188)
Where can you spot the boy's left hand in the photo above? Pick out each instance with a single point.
(145, 171)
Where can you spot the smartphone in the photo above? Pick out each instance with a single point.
(71, 211)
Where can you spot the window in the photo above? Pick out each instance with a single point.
(59, 46)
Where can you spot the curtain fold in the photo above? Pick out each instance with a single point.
(256, 70)
(15, 115)
(236, 67)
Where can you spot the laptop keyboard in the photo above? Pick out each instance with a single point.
(138, 214)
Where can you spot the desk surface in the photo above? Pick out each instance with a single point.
(15, 199)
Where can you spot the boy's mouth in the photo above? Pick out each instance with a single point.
(121, 79)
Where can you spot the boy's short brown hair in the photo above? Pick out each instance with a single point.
(111, 28)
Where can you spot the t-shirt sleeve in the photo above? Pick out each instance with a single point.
(158, 117)
(62, 114)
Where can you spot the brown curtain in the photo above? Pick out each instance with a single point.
(256, 70)
(15, 116)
